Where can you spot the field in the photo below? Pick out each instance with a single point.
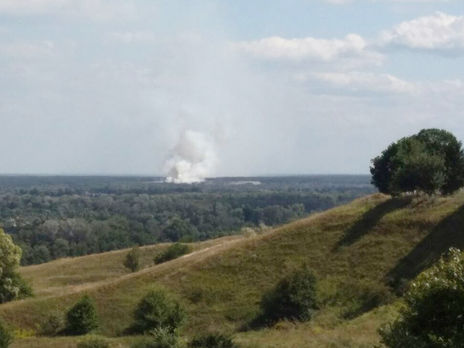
(363, 254)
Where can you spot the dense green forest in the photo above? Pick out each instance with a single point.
(53, 217)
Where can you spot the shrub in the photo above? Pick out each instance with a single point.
(160, 338)
(215, 340)
(53, 325)
(293, 298)
(82, 317)
(173, 252)
(433, 314)
(158, 310)
(6, 336)
(132, 260)
(93, 342)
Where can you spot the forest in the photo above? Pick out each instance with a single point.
(51, 217)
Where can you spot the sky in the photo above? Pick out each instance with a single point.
(194, 88)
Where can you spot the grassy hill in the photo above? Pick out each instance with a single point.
(363, 254)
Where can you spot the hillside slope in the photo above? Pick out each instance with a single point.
(357, 251)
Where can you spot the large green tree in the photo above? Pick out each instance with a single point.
(12, 286)
(430, 161)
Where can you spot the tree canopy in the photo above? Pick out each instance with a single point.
(12, 285)
(430, 161)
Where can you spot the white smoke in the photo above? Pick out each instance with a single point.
(193, 159)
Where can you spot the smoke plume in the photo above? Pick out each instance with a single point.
(192, 160)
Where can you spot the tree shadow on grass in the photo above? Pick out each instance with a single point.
(448, 233)
(370, 219)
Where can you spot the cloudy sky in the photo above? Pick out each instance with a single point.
(265, 86)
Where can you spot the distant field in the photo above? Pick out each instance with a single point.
(364, 250)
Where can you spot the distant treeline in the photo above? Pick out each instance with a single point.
(52, 217)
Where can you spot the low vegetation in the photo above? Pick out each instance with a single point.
(160, 338)
(293, 298)
(212, 340)
(132, 260)
(6, 336)
(53, 324)
(362, 255)
(82, 317)
(158, 310)
(93, 342)
(433, 313)
(173, 252)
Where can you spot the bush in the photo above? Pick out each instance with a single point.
(173, 252)
(53, 325)
(433, 314)
(158, 310)
(215, 340)
(93, 342)
(82, 317)
(6, 336)
(160, 338)
(293, 298)
(132, 260)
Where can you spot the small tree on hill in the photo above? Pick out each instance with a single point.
(433, 316)
(82, 317)
(430, 161)
(12, 286)
(158, 310)
(293, 298)
(132, 260)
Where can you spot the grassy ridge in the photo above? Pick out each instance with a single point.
(356, 250)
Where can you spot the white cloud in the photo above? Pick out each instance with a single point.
(367, 82)
(95, 9)
(131, 37)
(440, 32)
(25, 50)
(309, 48)
(342, 2)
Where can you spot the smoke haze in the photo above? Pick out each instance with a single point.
(193, 159)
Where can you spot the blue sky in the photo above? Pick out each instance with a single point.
(204, 88)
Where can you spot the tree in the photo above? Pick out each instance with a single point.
(178, 229)
(293, 298)
(82, 317)
(416, 168)
(433, 314)
(41, 253)
(430, 161)
(158, 310)
(12, 286)
(60, 248)
(132, 260)
(446, 146)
